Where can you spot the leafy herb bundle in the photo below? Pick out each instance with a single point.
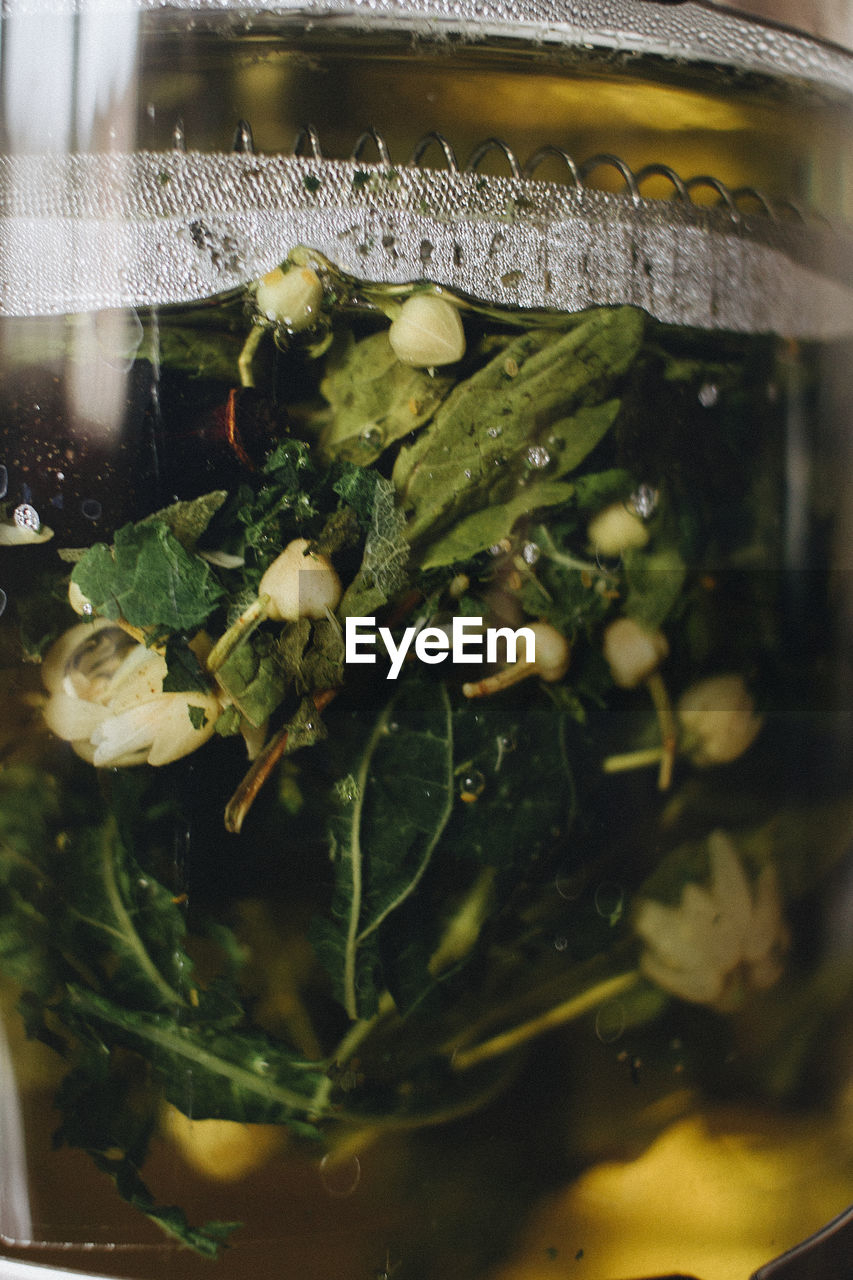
(425, 827)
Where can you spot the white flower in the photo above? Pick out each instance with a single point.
(719, 940)
(107, 699)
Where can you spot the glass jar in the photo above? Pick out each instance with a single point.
(425, 798)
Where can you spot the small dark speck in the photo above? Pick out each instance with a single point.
(551, 1253)
(578, 1255)
(311, 183)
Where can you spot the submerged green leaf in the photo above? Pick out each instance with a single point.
(375, 400)
(655, 580)
(385, 559)
(148, 578)
(188, 520)
(392, 806)
(254, 677)
(542, 404)
(207, 1072)
(485, 528)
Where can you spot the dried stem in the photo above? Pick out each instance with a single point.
(244, 797)
(568, 1011)
(668, 728)
(249, 619)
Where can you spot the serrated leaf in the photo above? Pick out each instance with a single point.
(204, 1071)
(515, 767)
(109, 1112)
(121, 916)
(149, 579)
(393, 806)
(189, 519)
(385, 558)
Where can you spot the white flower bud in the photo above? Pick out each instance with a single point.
(300, 585)
(427, 332)
(616, 529)
(718, 720)
(633, 653)
(291, 298)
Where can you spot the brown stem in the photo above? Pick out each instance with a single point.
(244, 797)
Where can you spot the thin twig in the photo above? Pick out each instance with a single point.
(668, 727)
(244, 797)
(568, 1011)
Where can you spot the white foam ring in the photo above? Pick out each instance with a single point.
(85, 232)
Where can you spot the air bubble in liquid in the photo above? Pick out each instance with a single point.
(4, 481)
(91, 508)
(643, 502)
(708, 395)
(2, 600)
(568, 887)
(609, 901)
(471, 786)
(537, 457)
(340, 1177)
(530, 553)
(26, 517)
(610, 1021)
(372, 438)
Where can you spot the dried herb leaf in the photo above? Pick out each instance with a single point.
(148, 578)
(485, 528)
(375, 400)
(541, 404)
